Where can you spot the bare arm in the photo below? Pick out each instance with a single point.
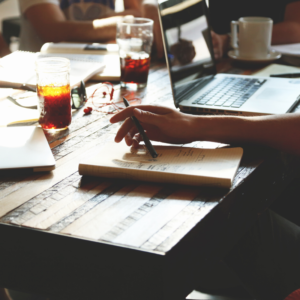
(149, 10)
(132, 7)
(288, 31)
(52, 26)
(4, 295)
(167, 125)
(278, 131)
(4, 50)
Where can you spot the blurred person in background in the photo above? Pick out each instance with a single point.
(74, 21)
(149, 10)
(284, 13)
(70, 21)
(4, 49)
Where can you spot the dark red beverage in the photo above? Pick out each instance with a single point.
(54, 106)
(135, 70)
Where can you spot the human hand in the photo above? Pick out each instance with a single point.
(149, 11)
(161, 123)
(4, 294)
(184, 51)
(220, 44)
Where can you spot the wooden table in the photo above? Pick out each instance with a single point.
(90, 238)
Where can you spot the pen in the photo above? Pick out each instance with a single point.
(142, 132)
(286, 75)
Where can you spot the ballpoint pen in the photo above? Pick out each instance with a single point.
(142, 132)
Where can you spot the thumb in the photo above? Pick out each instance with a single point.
(147, 117)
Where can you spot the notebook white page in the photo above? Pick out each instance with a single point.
(184, 165)
(19, 68)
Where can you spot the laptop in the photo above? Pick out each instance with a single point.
(196, 86)
(25, 147)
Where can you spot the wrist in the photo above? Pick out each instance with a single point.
(222, 129)
(203, 127)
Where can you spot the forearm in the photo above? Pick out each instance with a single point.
(4, 50)
(167, 125)
(281, 132)
(81, 31)
(132, 12)
(286, 32)
(51, 25)
(102, 30)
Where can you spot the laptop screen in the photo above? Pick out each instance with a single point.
(188, 44)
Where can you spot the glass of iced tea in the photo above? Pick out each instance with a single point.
(53, 89)
(134, 37)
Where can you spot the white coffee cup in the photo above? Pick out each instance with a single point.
(254, 37)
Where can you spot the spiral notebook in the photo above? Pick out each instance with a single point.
(18, 68)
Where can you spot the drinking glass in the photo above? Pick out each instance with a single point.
(53, 89)
(134, 37)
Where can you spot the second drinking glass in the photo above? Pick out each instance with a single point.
(134, 37)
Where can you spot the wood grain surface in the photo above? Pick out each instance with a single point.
(149, 217)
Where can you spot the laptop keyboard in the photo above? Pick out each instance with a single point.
(230, 92)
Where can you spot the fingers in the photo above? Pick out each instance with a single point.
(213, 37)
(133, 138)
(127, 128)
(217, 45)
(136, 140)
(217, 53)
(128, 112)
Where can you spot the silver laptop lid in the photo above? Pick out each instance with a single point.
(25, 147)
(188, 45)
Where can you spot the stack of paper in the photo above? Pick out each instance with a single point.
(288, 49)
(79, 48)
(12, 114)
(103, 53)
(18, 68)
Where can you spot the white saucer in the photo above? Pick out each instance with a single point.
(273, 55)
